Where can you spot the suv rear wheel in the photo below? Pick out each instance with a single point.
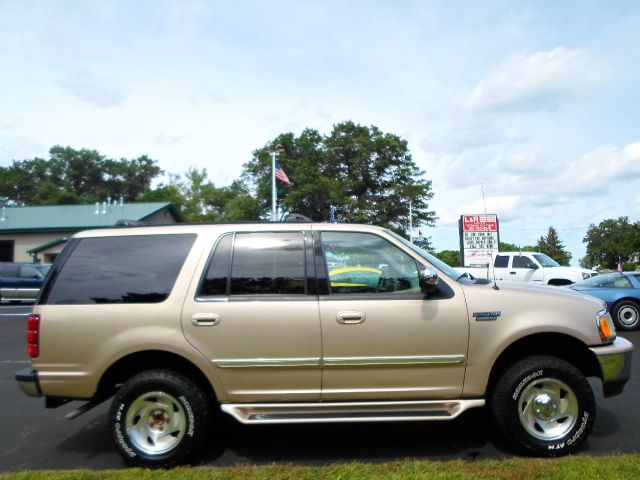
(159, 418)
(543, 405)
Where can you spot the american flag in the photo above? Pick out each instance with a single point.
(619, 266)
(280, 175)
(332, 215)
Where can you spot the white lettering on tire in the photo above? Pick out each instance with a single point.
(526, 380)
(120, 436)
(575, 437)
(190, 416)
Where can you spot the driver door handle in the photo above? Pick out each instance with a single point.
(350, 318)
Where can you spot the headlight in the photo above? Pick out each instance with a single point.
(605, 327)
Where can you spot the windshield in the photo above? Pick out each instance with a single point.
(436, 262)
(545, 260)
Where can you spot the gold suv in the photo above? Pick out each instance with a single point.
(296, 323)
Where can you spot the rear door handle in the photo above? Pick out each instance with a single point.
(513, 273)
(205, 319)
(350, 318)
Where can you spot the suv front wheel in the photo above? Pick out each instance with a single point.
(543, 405)
(159, 418)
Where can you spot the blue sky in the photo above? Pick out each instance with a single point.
(537, 101)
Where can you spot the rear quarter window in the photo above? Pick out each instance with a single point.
(128, 269)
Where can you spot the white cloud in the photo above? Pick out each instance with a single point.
(541, 180)
(506, 205)
(102, 91)
(183, 18)
(529, 192)
(461, 135)
(632, 151)
(539, 81)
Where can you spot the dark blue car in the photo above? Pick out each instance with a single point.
(21, 282)
(621, 292)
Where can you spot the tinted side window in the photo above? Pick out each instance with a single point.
(366, 263)
(131, 269)
(268, 263)
(10, 270)
(522, 262)
(29, 272)
(502, 261)
(215, 280)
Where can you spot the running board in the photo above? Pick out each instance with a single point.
(337, 412)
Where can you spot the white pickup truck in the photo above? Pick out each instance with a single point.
(528, 267)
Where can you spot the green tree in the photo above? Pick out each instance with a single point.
(450, 257)
(511, 247)
(201, 201)
(75, 176)
(552, 245)
(169, 192)
(368, 177)
(610, 240)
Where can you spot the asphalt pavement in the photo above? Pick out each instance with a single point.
(36, 438)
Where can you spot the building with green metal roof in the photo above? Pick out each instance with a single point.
(39, 233)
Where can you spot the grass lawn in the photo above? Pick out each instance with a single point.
(575, 467)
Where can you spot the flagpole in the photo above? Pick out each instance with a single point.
(273, 186)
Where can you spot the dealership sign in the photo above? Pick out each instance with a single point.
(479, 239)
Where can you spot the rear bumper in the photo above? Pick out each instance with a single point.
(28, 382)
(615, 365)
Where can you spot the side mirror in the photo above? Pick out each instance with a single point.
(533, 266)
(428, 281)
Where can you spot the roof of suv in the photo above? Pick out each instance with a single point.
(207, 227)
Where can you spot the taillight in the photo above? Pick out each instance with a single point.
(33, 335)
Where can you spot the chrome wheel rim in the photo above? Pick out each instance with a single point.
(156, 423)
(548, 409)
(628, 316)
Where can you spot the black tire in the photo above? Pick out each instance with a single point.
(543, 405)
(159, 418)
(626, 315)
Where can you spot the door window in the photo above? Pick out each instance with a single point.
(367, 264)
(29, 272)
(268, 263)
(257, 263)
(522, 262)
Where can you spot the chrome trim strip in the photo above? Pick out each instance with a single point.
(266, 362)
(393, 361)
(339, 361)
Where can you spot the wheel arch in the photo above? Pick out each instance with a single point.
(615, 302)
(558, 345)
(134, 363)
